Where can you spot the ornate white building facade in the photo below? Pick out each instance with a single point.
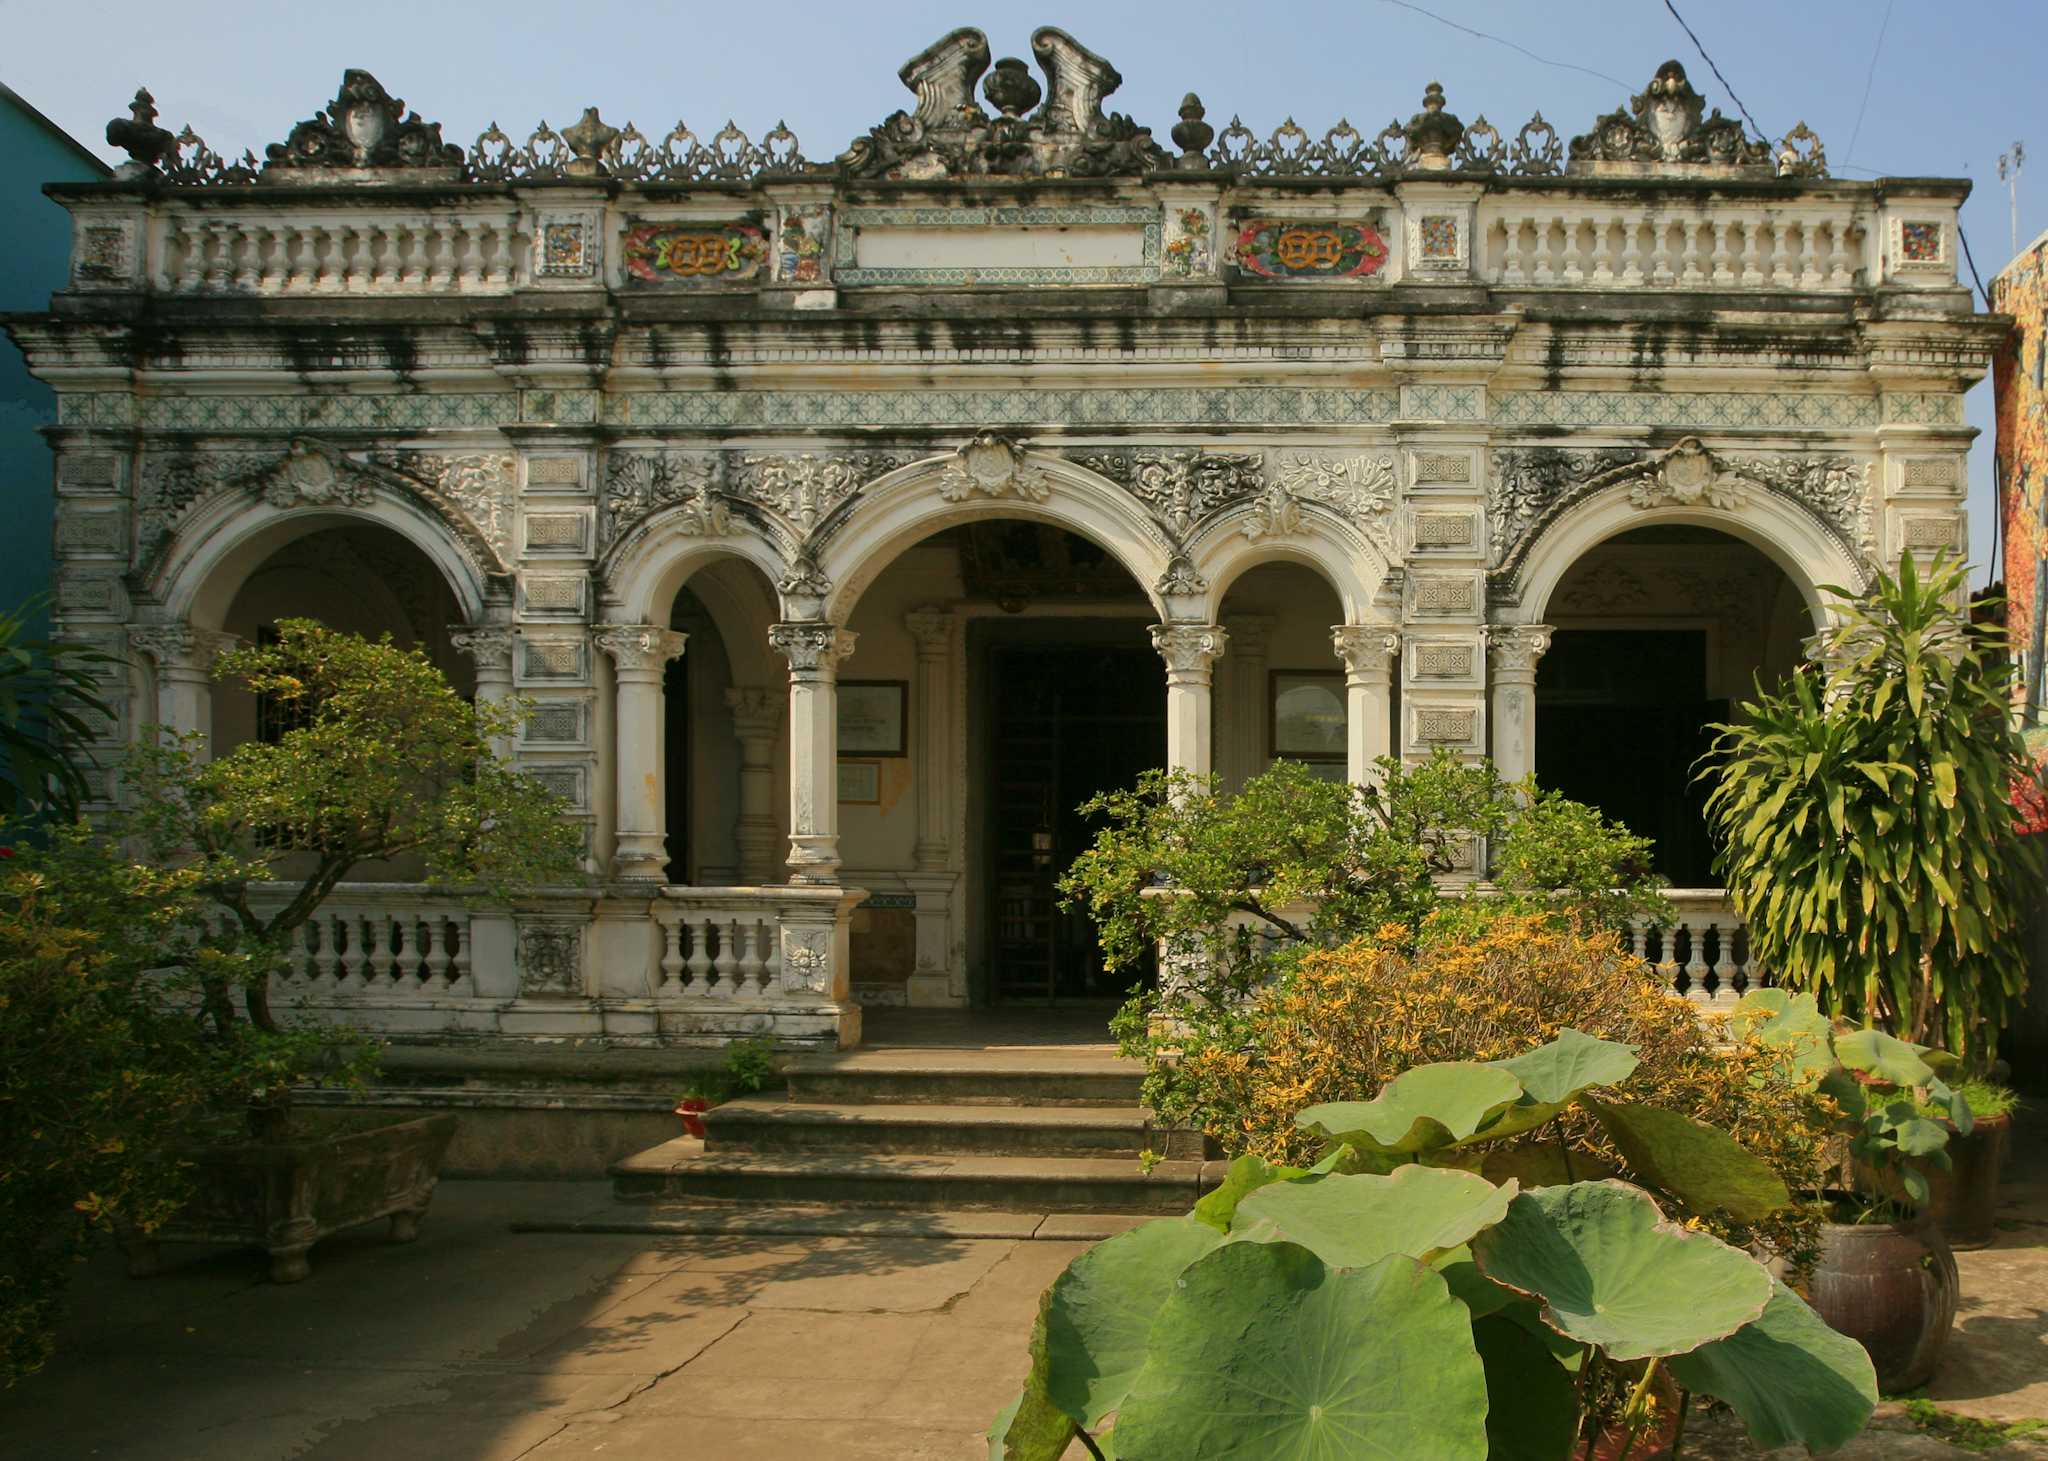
(842, 524)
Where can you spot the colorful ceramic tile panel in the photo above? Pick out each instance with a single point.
(692, 253)
(562, 248)
(1287, 248)
(1920, 243)
(1439, 237)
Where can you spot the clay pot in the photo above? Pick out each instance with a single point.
(1964, 1200)
(1892, 1288)
(692, 1109)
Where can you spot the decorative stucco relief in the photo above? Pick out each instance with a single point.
(485, 485)
(993, 466)
(637, 484)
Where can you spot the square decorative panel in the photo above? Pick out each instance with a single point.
(1444, 530)
(557, 532)
(1441, 661)
(552, 659)
(554, 723)
(554, 593)
(801, 238)
(89, 472)
(692, 253)
(1433, 466)
(1310, 249)
(1439, 236)
(1920, 243)
(1441, 726)
(1928, 474)
(105, 253)
(1444, 595)
(554, 473)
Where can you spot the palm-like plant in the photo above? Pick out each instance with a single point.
(48, 699)
(1866, 819)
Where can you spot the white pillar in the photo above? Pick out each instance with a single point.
(1368, 652)
(814, 651)
(184, 658)
(1190, 652)
(1512, 651)
(1245, 674)
(756, 716)
(933, 631)
(638, 653)
(490, 647)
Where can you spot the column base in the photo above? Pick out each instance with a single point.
(813, 858)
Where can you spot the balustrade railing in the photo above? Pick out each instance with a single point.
(289, 254)
(381, 939)
(718, 943)
(1533, 241)
(1705, 952)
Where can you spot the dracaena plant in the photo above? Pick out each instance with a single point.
(1452, 1280)
(1877, 1088)
(1866, 819)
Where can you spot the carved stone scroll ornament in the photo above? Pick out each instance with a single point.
(482, 484)
(1180, 579)
(639, 647)
(1663, 123)
(804, 488)
(811, 648)
(1531, 483)
(490, 648)
(365, 127)
(550, 958)
(1189, 649)
(639, 484)
(1686, 475)
(949, 135)
(1513, 649)
(1182, 486)
(993, 466)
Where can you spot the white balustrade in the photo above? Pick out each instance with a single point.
(1537, 241)
(1705, 952)
(381, 939)
(355, 253)
(719, 943)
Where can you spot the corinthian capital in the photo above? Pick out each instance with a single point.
(644, 647)
(180, 646)
(811, 647)
(1514, 649)
(1367, 650)
(1189, 649)
(491, 648)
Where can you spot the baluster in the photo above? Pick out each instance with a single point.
(412, 263)
(469, 265)
(1631, 266)
(1662, 269)
(753, 954)
(670, 978)
(1696, 960)
(1752, 253)
(374, 929)
(1841, 261)
(700, 953)
(1511, 250)
(1725, 991)
(458, 955)
(1815, 274)
(320, 931)
(1689, 271)
(771, 964)
(437, 952)
(1574, 254)
(502, 255)
(728, 960)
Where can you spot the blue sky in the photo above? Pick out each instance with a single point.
(1952, 85)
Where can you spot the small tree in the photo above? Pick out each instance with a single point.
(382, 760)
(47, 703)
(1866, 819)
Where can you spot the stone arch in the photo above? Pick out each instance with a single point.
(910, 504)
(213, 552)
(644, 569)
(1782, 531)
(1325, 543)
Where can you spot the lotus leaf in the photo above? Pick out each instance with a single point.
(1701, 1165)
(1031, 1427)
(1611, 1271)
(1881, 1057)
(1793, 1380)
(1532, 1409)
(1552, 1074)
(1247, 1175)
(1472, 1288)
(1098, 1312)
(1542, 1164)
(1353, 1221)
(1264, 1353)
(1420, 1110)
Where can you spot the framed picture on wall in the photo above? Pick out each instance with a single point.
(860, 783)
(871, 716)
(1308, 715)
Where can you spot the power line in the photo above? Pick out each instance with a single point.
(1870, 76)
(1499, 41)
(1717, 71)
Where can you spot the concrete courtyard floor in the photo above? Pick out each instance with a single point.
(479, 1343)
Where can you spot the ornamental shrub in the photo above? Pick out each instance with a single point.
(1471, 988)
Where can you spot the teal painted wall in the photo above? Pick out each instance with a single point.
(38, 237)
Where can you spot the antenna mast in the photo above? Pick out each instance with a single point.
(2009, 164)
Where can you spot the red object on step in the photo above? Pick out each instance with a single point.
(692, 1110)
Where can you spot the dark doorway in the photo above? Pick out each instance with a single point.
(1621, 717)
(1068, 721)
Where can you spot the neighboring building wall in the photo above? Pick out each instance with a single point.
(38, 233)
(2020, 372)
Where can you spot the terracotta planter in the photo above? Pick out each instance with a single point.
(1963, 1200)
(692, 1109)
(285, 1196)
(1892, 1288)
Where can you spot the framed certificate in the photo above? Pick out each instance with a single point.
(1308, 715)
(860, 783)
(871, 716)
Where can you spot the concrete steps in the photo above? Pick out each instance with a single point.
(955, 1078)
(759, 1126)
(1036, 1184)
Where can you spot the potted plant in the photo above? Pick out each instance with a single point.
(1964, 1198)
(379, 760)
(747, 1069)
(1886, 1275)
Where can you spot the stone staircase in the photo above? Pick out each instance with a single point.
(1014, 1130)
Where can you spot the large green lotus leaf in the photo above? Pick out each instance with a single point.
(1879, 1056)
(1527, 1316)
(1350, 1222)
(1611, 1271)
(1532, 1408)
(1791, 1021)
(1419, 1110)
(1469, 1286)
(1031, 1427)
(1793, 1380)
(1701, 1165)
(1264, 1353)
(1247, 1175)
(1575, 1061)
(1542, 1164)
(1098, 1312)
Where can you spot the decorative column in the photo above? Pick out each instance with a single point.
(1512, 651)
(814, 651)
(933, 631)
(1368, 652)
(638, 654)
(1246, 679)
(490, 647)
(1190, 652)
(756, 716)
(184, 659)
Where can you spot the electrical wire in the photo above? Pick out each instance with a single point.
(1717, 72)
(1869, 76)
(1499, 41)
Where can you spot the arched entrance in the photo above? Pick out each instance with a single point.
(1659, 632)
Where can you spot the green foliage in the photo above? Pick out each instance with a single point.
(750, 1065)
(1967, 1431)
(1425, 1310)
(1867, 828)
(48, 703)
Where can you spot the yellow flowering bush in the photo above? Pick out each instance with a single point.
(1338, 1024)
